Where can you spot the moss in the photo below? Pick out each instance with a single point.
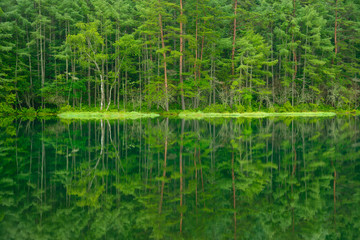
(106, 115)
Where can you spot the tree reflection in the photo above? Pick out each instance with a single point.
(170, 178)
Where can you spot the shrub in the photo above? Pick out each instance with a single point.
(288, 107)
(217, 108)
(239, 108)
(303, 107)
(249, 108)
(313, 106)
(271, 109)
(46, 111)
(28, 111)
(66, 108)
(6, 108)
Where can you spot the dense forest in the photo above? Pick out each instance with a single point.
(170, 54)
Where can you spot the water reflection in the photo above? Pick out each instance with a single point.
(172, 179)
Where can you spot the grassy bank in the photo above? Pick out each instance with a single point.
(199, 115)
(106, 115)
(214, 111)
(175, 114)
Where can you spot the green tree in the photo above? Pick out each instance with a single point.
(89, 44)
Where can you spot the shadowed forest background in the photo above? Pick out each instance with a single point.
(164, 54)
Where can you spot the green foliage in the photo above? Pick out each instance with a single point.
(66, 108)
(239, 108)
(28, 112)
(110, 54)
(46, 111)
(6, 108)
(287, 107)
(217, 108)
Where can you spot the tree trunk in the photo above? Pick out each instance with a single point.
(181, 57)
(89, 86)
(304, 74)
(294, 61)
(164, 56)
(31, 99)
(41, 57)
(336, 24)
(196, 45)
(102, 89)
(199, 69)
(272, 66)
(233, 50)
(234, 41)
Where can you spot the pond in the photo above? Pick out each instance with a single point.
(268, 178)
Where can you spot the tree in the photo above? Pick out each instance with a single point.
(89, 44)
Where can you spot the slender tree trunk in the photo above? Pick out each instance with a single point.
(73, 79)
(102, 89)
(234, 40)
(140, 82)
(164, 56)
(67, 65)
(196, 46)
(181, 57)
(126, 78)
(16, 72)
(294, 60)
(41, 57)
(199, 70)
(304, 75)
(107, 71)
(117, 60)
(212, 73)
(95, 91)
(336, 25)
(214, 77)
(233, 49)
(102, 86)
(89, 85)
(31, 99)
(43, 62)
(272, 66)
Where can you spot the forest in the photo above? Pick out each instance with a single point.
(168, 55)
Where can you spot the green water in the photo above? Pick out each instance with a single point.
(289, 178)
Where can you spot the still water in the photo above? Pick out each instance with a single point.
(280, 178)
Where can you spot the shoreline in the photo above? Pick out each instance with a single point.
(106, 115)
(199, 115)
(177, 114)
